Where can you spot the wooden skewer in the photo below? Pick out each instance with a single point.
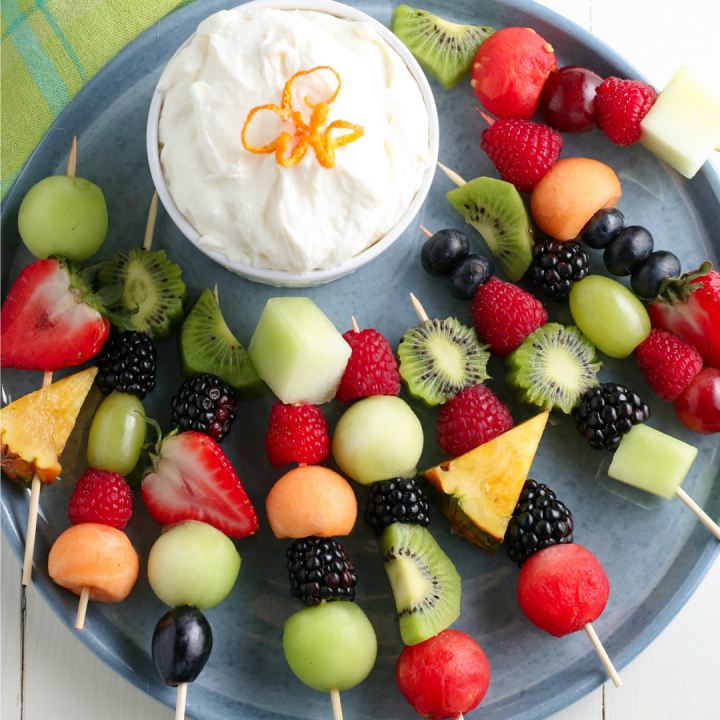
(701, 515)
(215, 293)
(356, 329)
(336, 706)
(426, 231)
(452, 175)
(72, 158)
(150, 227)
(181, 702)
(32, 512)
(82, 608)
(419, 309)
(600, 650)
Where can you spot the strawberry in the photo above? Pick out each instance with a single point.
(689, 307)
(52, 319)
(191, 479)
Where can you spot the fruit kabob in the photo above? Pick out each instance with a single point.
(52, 319)
(330, 644)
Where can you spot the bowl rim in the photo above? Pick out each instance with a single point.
(312, 277)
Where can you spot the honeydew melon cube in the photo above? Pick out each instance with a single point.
(652, 461)
(298, 352)
(683, 126)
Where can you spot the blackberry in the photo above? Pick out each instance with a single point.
(556, 266)
(538, 521)
(205, 404)
(398, 500)
(607, 412)
(320, 570)
(126, 363)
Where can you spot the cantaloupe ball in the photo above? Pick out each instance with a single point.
(570, 194)
(311, 500)
(95, 556)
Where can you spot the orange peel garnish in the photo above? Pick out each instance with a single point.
(323, 143)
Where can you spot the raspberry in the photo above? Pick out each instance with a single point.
(505, 315)
(372, 368)
(100, 497)
(521, 151)
(621, 105)
(668, 363)
(473, 417)
(297, 433)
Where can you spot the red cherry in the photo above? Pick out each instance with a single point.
(698, 405)
(567, 102)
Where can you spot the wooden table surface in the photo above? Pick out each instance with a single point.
(47, 674)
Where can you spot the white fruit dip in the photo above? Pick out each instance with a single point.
(247, 206)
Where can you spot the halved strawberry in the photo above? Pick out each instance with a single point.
(52, 319)
(193, 480)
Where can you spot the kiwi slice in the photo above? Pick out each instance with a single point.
(553, 367)
(444, 49)
(208, 346)
(153, 290)
(425, 583)
(440, 358)
(496, 210)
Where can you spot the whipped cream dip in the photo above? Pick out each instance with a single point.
(247, 206)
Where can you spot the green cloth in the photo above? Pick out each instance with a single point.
(48, 50)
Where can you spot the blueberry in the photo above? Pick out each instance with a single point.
(627, 250)
(602, 227)
(181, 645)
(468, 275)
(443, 250)
(649, 274)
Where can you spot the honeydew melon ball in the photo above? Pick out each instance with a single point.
(378, 438)
(331, 646)
(192, 563)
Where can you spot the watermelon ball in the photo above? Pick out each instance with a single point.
(443, 676)
(562, 589)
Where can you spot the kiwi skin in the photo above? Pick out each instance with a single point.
(575, 367)
(496, 210)
(443, 49)
(405, 544)
(206, 345)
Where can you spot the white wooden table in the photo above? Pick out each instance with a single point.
(47, 674)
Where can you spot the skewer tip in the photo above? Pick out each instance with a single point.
(602, 654)
(452, 175)
(490, 121)
(426, 231)
(356, 329)
(215, 293)
(82, 608)
(150, 227)
(72, 158)
(419, 309)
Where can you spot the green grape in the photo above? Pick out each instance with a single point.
(117, 434)
(65, 216)
(609, 315)
(192, 563)
(331, 646)
(378, 438)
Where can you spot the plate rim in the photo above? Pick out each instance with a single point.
(572, 694)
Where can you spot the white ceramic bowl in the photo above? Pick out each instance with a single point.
(281, 278)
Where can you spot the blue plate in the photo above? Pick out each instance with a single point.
(655, 553)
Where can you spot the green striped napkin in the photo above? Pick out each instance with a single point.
(48, 50)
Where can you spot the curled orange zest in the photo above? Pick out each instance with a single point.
(323, 143)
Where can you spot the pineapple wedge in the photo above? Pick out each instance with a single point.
(478, 491)
(35, 428)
